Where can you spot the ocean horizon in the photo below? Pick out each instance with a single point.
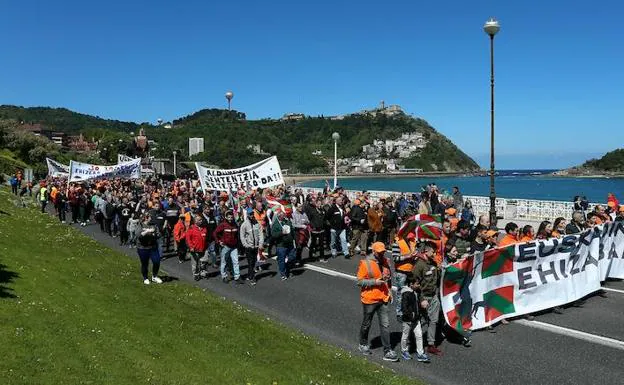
(517, 183)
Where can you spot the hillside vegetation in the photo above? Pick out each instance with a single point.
(612, 161)
(228, 135)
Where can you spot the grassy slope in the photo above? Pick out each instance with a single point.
(77, 313)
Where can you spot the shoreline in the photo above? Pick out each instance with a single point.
(302, 178)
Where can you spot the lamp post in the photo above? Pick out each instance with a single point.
(229, 95)
(336, 138)
(174, 163)
(491, 27)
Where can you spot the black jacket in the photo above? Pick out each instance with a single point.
(409, 305)
(573, 228)
(391, 217)
(316, 217)
(359, 220)
(335, 218)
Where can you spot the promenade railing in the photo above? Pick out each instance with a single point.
(507, 208)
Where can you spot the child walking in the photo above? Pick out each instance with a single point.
(411, 320)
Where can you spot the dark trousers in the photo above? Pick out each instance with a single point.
(61, 212)
(382, 310)
(74, 213)
(123, 232)
(251, 254)
(107, 225)
(14, 189)
(317, 243)
(43, 206)
(181, 251)
(145, 255)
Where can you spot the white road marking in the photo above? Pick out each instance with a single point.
(593, 338)
(613, 290)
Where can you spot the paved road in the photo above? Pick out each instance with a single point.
(327, 306)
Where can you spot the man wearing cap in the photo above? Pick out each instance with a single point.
(373, 278)
(427, 273)
(359, 227)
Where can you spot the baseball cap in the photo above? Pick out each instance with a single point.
(490, 233)
(451, 211)
(378, 247)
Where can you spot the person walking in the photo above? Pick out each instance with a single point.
(315, 215)
(359, 227)
(252, 239)
(427, 273)
(196, 241)
(179, 237)
(373, 278)
(335, 216)
(410, 317)
(226, 234)
(147, 248)
(282, 233)
(42, 196)
(301, 225)
(404, 255)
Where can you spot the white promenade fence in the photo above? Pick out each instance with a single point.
(508, 208)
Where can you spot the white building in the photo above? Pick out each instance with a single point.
(196, 145)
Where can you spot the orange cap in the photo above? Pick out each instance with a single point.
(611, 204)
(451, 211)
(378, 247)
(491, 233)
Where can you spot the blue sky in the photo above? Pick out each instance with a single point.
(559, 65)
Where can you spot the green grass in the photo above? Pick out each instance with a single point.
(9, 162)
(75, 312)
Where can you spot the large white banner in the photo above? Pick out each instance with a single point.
(84, 171)
(266, 173)
(56, 169)
(484, 288)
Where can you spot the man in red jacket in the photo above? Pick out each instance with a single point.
(227, 236)
(196, 243)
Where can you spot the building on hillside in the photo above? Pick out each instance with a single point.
(292, 116)
(196, 146)
(80, 145)
(39, 129)
(256, 149)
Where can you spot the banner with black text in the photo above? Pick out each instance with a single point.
(266, 173)
(56, 169)
(481, 289)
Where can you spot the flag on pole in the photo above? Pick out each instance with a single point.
(423, 225)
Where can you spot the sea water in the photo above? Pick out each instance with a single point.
(522, 184)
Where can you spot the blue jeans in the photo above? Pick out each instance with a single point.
(210, 254)
(282, 254)
(232, 253)
(145, 255)
(342, 235)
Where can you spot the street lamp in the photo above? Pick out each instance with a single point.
(229, 95)
(491, 27)
(336, 138)
(174, 163)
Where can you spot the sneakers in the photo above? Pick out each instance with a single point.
(434, 350)
(197, 277)
(252, 282)
(530, 317)
(466, 342)
(405, 355)
(156, 280)
(558, 310)
(423, 358)
(491, 329)
(238, 281)
(364, 349)
(225, 279)
(146, 281)
(324, 260)
(284, 278)
(391, 355)
(504, 322)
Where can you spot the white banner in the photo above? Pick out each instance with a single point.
(56, 169)
(480, 290)
(83, 171)
(266, 173)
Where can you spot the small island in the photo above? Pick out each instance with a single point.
(608, 166)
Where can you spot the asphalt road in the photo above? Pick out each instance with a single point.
(328, 307)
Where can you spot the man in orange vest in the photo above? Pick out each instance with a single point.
(373, 278)
(511, 238)
(403, 255)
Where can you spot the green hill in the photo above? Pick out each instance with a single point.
(612, 161)
(231, 140)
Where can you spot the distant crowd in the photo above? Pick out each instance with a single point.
(214, 230)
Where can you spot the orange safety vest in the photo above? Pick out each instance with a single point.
(407, 265)
(507, 240)
(369, 269)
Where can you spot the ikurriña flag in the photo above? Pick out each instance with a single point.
(423, 225)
